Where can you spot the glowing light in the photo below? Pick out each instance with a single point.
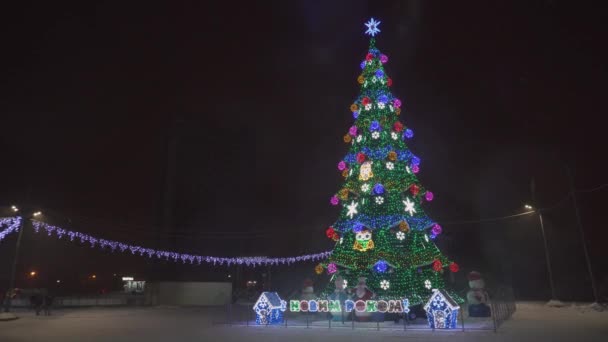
(400, 236)
(390, 166)
(372, 27)
(38, 213)
(352, 209)
(14, 208)
(409, 206)
(379, 200)
(385, 284)
(375, 135)
(33, 273)
(427, 284)
(365, 187)
(394, 135)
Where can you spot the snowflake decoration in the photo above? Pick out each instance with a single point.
(390, 165)
(352, 209)
(372, 27)
(379, 200)
(365, 187)
(375, 135)
(359, 138)
(400, 236)
(374, 79)
(368, 106)
(394, 135)
(381, 105)
(384, 284)
(409, 206)
(427, 284)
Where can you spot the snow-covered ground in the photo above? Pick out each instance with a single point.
(531, 322)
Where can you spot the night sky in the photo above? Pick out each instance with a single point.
(216, 128)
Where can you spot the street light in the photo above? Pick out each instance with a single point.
(33, 274)
(527, 206)
(14, 208)
(36, 214)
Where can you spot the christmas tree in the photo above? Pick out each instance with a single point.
(383, 233)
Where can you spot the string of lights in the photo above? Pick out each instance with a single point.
(13, 224)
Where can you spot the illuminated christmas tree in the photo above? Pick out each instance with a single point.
(383, 233)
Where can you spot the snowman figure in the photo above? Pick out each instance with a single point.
(363, 240)
(477, 297)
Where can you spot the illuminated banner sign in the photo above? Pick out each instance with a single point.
(392, 306)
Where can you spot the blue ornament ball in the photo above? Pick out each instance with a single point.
(408, 133)
(374, 126)
(378, 189)
(381, 266)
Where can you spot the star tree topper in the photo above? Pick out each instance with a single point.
(372, 27)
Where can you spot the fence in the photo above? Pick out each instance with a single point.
(87, 301)
(502, 308)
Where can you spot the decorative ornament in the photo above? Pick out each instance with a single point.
(334, 200)
(365, 187)
(408, 133)
(383, 98)
(379, 73)
(363, 241)
(383, 59)
(414, 189)
(394, 135)
(384, 284)
(352, 130)
(381, 105)
(397, 111)
(355, 114)
(378, 189)
(381, 266)
(389, 82)
(392, 155)
(397, 103)
(428, 196)
(347, 138)
(368, 106)
(400, 235)
(398, 126)
(345, 173)
(319, 269)
(404, 226)
(415, 169)
(372, 27)
(437, 266)
(329, 232)
(415, 161)
(454, 267)
(375, 135)
(359, 138)
(369, 57)
(357, 227)
(342, 165)
(436, 230)
(360, 79)
(332, 268)
(365, 101)
(343, 194)
(409, 206)
(427, 284)
(390, 166)
(363, 65)
(365, 172)
(360, 157)
(374, 126)
(354, 107)
(352, 209)
(379, 200)
(426, 238)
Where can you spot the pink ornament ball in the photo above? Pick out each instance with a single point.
(332, 268)
(341, 165)
(415, 169)
(436, 230)
(334, 200)
(383, 59)
(429, 196)
(397, 103)
(353, 131)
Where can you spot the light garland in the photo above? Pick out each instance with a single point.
(13, 224)
(174, 256)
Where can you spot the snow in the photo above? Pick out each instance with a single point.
(532, 322)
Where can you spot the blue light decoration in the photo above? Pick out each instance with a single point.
(13, 224)
(379, 73)
(357, 227)
(372, 27)
(374, 126)
(441, 310)
(355, 114)
(381, 266)
(415, 160)
(269, 309)
(378, 189)
(408, 133)
(363, 65)
(383, 99)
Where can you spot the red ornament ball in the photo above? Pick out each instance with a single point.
(365, 101)
(360, 157)
(454, 267)
(369, 57)
(414, 189)
(398, 126)
(437, 266)
(330, 232)
(389, 82)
